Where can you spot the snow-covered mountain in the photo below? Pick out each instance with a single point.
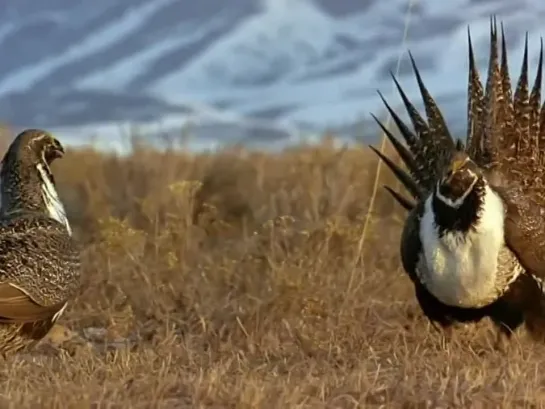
(259, 72)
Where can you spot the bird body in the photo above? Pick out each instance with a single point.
(473, 243)
(39, 259)
(464, 269)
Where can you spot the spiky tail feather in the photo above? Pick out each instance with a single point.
(501, 127)
(428, 147)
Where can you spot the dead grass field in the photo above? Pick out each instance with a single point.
(236, 280)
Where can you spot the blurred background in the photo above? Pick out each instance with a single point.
(261, 73)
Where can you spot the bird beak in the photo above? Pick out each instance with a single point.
(53, 151)
(455, 166)
(57, 150)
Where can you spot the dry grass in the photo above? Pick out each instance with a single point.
(234, 281)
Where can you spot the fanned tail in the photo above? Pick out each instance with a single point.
(475, 105)
(426, 149)
(507, 119)
(493, 95)
(521, 104)
(504, 129)
(403, 201)
(522, 119)
(410, 184)
(535, 110)
(486, 109)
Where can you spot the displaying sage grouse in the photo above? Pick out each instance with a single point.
(473, 243)
(39, 260)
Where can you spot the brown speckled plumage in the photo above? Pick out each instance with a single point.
(39, 260)
(506, 139)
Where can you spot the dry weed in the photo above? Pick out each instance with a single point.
(232, 280)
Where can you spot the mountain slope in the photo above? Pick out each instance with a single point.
(256, 72)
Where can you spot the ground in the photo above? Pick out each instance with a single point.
(248, 280)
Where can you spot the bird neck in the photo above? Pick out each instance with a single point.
(20, 188)
(30, 188)
(463, 217)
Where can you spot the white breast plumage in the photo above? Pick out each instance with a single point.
(51, 198)
(460, 269)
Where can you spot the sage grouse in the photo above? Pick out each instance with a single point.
(39, 260)
(473, 243)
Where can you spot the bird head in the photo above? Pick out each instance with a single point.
(26, 180)
(51, 148)
(457, 180)
(36, 145)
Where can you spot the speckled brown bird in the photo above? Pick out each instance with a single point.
(473, 243)
(39, 259)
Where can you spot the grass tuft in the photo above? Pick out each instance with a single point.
(233, 280)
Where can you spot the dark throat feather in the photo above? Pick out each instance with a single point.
(462, 219)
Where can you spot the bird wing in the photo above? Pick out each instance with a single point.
(18, 306)
(410, 244)
(39, 266)
(524, 228)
